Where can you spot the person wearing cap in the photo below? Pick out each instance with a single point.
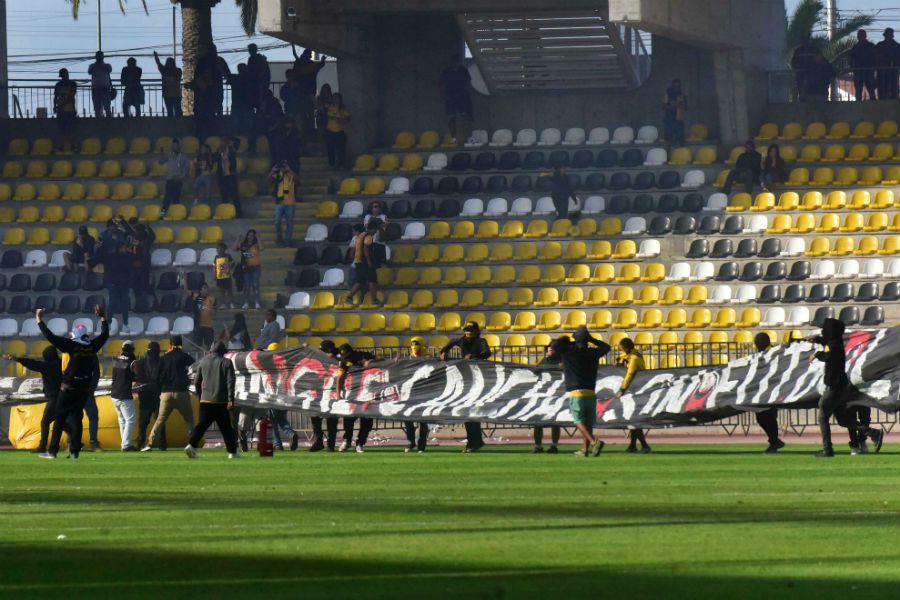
(79, 362)
(101, 85)
(887, 60)
(146, 391)
(555, 430)
(349, 358)
(174, 385)
(121, 394)
(580, 359)
(214, 382)
(838, 390)
(633, 361)
(64, 93)
(472, 347)
(50, 369)
(768, 419)
(416, 351)
(318, 441)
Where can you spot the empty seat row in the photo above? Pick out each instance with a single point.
(90, 282)
(813, 200)
(75, 191)
(573, 136)
(101, 213)
(40, 236)
(92, 146)
(818, 130)
(155, 326)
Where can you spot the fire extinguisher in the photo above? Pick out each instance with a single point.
(264, 441)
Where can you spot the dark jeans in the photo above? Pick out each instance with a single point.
(748, 178)
(673, 129)
(284, 213)
(203, 336)
(69, 408)
(562, 206)
(337, 148)
(47, 419)
(864, 79)
(280, 424)
(635, 436)
(410, 428)
(173, 193)
(365, 427)
(148, 410)
(474, 437)
(93, 415)
(833, 402)
(331, 424)
(768, 421)
(539, 435)
(173, 106)
(119, 303)
(215, 412)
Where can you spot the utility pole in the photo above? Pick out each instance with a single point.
(99, 28)
(4, 65)
(174, 46)
(831, 17)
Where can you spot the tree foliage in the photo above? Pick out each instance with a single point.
(808, 25)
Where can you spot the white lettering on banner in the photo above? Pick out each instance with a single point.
(793, 355)
(860, 354)
(470, 399)
(542, 404)
(420, 374)
(517, 378)
(452, 389)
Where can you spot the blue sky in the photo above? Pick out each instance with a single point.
(44, 29)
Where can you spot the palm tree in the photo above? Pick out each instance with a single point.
(808, 25)
(76, 4)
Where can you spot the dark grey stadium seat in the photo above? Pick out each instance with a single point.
(769, 294)
(842, 292)
(752, 271)
(873, 316)
(449, 208)
(534, 160)
(582, 159)
(619, 181)
(668, 180)
(822, 313)
(660, 225)
(771, 248)
(399, 209)
(422, 186)
(819, 293)
(607, 158)
(709, 224)
(45, 282)
(618, 205)
(69, 305)
(45, 301)
(484, 161)
(685, 225)
(631, 158)
(746, 248)
(867, 292)
(800, 271)
(521, 184)
(306, 255)
(890, 292)
(645, 180)
(20, 282)
(698, 249)
(92, 282)
(734, 225)
(496, 184)
(642, 204)
(19, 305)
(331, 255)
(509, 161)
(794, 293)
(668, 203)
(692, 203)
(775, 271)
(472, 185)
(722, 248)
(447, 186)
(423, 209)
(558, 158)
(461, 161)
(849, 315)
(728, 271)
(595, 182)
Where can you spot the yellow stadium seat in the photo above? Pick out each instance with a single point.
(25, 192)
(600, 250)
(73, 191)
(139, 145)
(164, 235)
(839, 131)
(586, 227)
(895, 223)
(126, 211)
(625, 249)
(325, 323)
(200, 212)
(623, 296)
(50, 192)
(626, 319)
(791, 131)
(91, 147)
(892, 176)
(403, 255)
(598, 296)
(187, 235)
(374, 186)
(375, 323)
(725, 318)
(487, 230)
(815, 131)
(828, 223)
(499, 321)
(650, 319)
(822, 176)
(76, 214)
(698, 294)
(149, 213)
(890, 246)
(28, 214)
(176, 212)
(537, 228)
(429, 140)
(18, 147)
(135, 168)
(212, 234)
(450, 322)
(876, 222)
(431, 253)
(767, 132)
(364, 162)
(677, 317)
(629, 273)
(388, 162)
(643, 338)
(350, 186)
(13, 170)
(122, 191)
(14, 236)
(680, 156)
(834, 153)
(512, 229)
(886, 129)
(42, 147)
(611, 226)
(735, 154)
(579, 274)
(575, 319)
(327, 209)
(322, 301)
(39, 236)
(654, 272)
(116, 145)
(494, 299)
(811, 201)
(859, 200)
(298, 324)
(101, 214)
(525, 251)
(870, 176)
(553, 274)
(810, 153)
(858, 152)
(673, 294)
(789, 153)
(764, 201)
(404, 141)
(798, 177)
(445, 299)
(750, 317)
(572, 296)
(258, 166)
(455, 276)
(701, 317)
(705, 156)
(697, 133)
(547, 297)
(846, 176)
(224, 212)
(867, 245)
(780, 224)
(836, 200)
(411, 162)
(820, 246)
(883, 199)
(85, 169)
(7, 214)
(501, 252)
(604, 273)
(532, 274)
(524, 321)
(98, 191)
(560, 228)
(550, 251)
(463, 230)
(440, 230)
(842, 246)
(398, 323)
(863, 130)
(475, 253)
(648, 295)
(36, 169)
(883, 152)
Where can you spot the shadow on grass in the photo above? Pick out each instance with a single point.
(74, 571)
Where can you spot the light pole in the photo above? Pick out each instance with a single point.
(99, 28)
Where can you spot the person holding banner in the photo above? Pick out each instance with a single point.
(416, 350)
(580, 362)
(318, 442)
(838, 390)
(348, 358)
(768, 419)
(555, 430)
(633, 361)
(472, 347)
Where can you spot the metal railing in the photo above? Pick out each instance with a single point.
(784, 86)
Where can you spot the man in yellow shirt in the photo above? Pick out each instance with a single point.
(335, 132)
(285, 181)
(223, 271)
(204, 316)
(633, 361)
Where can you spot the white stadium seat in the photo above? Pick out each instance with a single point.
(30, 328)
(623, 135)
(496, 207)
(893, 270)
(795, 246)
(824, 269)
(9, 327)
(574, 137)
(58, 326)
(848, 269)
(525, 138)
(161, 257)
(773, 317)
(478, 139)
(757, 224)
(414, 231)
(873, 269)
(634, 226)
(598, 136)
(745, 295)
(693, 179)
(207, 257)
(656, 157)
(332, 278)
(799, 317)
(501, 138)
(520, 207)
(317, 233)
(716, 202)
(649, 249)
(472, 207)
(544, 206)
(183, 326)
(594, 205)
(298, 301)
(550, 137)
(703, 271)
(352, 209)
(398, 185)
(721, 295)
(185, 257)
(679, 271)
(35, 259)
(57, 259)
(647, 134)
(157, 326)
(436, 162)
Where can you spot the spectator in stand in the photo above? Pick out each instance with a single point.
(454, 87)
(774, 169)
(306, 70)
(820, 77)
(271, 331)
(226, 160)
(236, 335)
(561, 191)
(472, 347)
(102, 92)
(258, 72)
(242, 104)
(118, 283)
(378, 216)
(747, 169)
(674, 112)
(203, 168)
(133, 96)
(365, 265)
(121, 393)
(285, 181)
(322, 101)
(223, 270)
(801, 63)
(250, 247)
(862, 61)
(110, 240)
(140, 240)
(171, 84)
(207, 88)
(205, 306)
(177, 170)
(79, 257)
(174, 388)
(64, 106)
(268, 119)
(288, 144)
(50, 369)
(292, 96)
(336, 132)
(146, 389)
(887, 59)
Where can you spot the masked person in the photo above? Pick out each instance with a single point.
(146, 390)
(472, 347)
(838, 390)
(214, 383)
(121, 393)
(50, 369)
(174, 386)
(416, 350)
(768, 419)
(78, 368)
(633, 361)
(350, 358)
(328, 347)
(580, 362)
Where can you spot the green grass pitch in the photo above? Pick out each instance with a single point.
(720, 521)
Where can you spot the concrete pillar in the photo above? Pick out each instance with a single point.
(358, 82)
(4, 64)
(731, 92)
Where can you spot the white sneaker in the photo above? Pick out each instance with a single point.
(360, 449)
(258, 305)
(190, 452)
(345, 446)
(234, 455)
(47, 455)
(246, 305)
(147, 449)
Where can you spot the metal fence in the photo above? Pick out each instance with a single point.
(783, 86)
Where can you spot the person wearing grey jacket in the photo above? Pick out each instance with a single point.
(214, 383)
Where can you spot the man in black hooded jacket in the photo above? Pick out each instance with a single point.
(472, 347)
(50, 369)
(838, 390)
(318, 443)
